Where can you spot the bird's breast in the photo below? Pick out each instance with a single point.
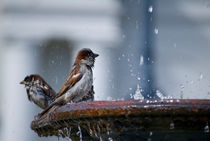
(38, 97)
(81, 88)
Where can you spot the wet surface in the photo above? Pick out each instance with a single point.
(126, 120)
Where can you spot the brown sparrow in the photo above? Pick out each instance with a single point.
(79, 85)
(38, 91)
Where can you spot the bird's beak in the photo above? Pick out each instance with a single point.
(96, 55)
(23, 82)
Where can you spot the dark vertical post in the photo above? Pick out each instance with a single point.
(138, 27)
(148, 47)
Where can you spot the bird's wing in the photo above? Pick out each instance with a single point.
(74, 76)
(47, 89)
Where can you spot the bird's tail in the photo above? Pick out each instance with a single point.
(58, 101)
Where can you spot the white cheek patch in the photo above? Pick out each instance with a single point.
(84, 61)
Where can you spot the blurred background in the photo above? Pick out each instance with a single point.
(149, 47)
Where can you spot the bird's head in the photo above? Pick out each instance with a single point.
(30, 80)
(86, 56)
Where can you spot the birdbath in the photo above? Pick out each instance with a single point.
(168, 119)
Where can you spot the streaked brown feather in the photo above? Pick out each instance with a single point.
(48, 90)
(71, 81)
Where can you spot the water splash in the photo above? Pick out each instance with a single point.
(160, 95)
(79, 133)
(90, 130)
(109, 98)
(137, 95)
(60, 132)
(69, 134)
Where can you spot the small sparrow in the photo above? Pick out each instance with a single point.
(79, 85)
(38, 91)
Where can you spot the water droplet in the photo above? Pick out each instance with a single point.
(141, 60)
(206, 128)
(150, 133)
(100, 138)
(156, 30)
(181, 86)
(138, 78)
(79, 133)
(110, 139)
(130, 89)
(171, 125)
(69, 133)
(123, 55)
(191, 82)
(150, 9)
(201, 76)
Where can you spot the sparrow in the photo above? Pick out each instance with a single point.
(38, 91)
(79, 84)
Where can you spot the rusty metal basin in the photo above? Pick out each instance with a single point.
(128, 120)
